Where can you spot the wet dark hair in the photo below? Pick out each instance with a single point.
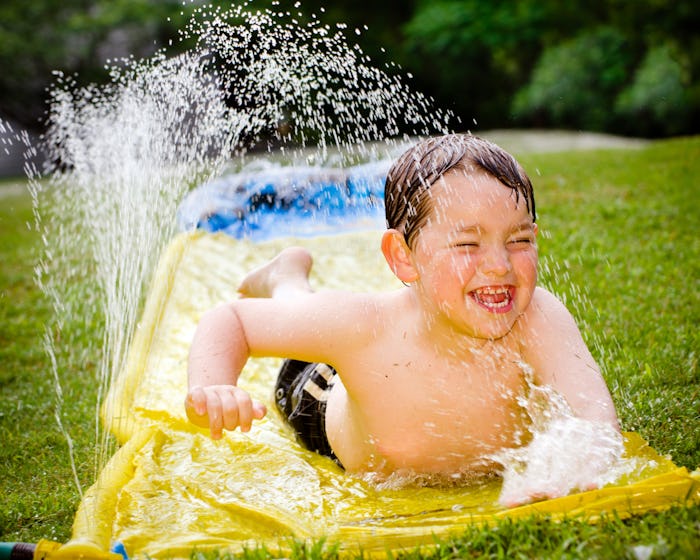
(407, 204)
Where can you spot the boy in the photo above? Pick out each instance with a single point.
(429, 376)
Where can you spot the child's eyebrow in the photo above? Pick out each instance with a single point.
(522, 226)
(526, 225)
(467, 230)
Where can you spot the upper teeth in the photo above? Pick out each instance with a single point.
(501, 300)
(490, 290)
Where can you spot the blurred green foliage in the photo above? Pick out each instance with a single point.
(659, 99)
(576, 82)
(74, 37)
(624, 66)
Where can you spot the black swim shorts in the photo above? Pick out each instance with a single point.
(301, 393)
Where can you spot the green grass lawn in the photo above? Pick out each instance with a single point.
(620, 242)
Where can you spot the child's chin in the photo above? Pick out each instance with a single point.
(490, 325)
(494, 333)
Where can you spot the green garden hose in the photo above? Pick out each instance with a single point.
(17, 551)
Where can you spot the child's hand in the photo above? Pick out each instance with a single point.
(222, 407)
(535, 494)
(568, 454)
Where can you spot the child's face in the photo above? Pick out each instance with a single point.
(476, 256)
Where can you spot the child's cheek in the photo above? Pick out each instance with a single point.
(451, 277)
(462, 269)
(526, 273)
(526, 263)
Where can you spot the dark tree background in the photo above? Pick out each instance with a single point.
(622, 66)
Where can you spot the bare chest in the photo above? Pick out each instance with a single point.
(465, 397)
(433, 413)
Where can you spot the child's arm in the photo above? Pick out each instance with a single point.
(553, 346)
(218, 353)
(560, 358)
(315, 327)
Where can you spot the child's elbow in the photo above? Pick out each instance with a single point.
(221, 328)
(222, 318)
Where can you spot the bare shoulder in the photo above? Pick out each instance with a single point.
(548, 334)
(544, 301)
(546, 313)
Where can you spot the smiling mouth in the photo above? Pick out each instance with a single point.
(495, 299)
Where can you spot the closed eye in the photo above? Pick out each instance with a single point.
(465, 245)
(522, 241)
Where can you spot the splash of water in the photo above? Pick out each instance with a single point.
(124, 154)
(565, 453)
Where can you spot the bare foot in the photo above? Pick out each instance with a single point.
(287, 273)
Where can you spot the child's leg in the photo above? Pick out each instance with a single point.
(285, 275)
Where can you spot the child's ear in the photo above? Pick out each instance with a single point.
(398, 256)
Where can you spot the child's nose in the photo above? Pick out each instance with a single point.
(495, 262)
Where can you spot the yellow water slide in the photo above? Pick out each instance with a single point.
(170, 489)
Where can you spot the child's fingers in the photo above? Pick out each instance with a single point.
(214, 411)
(197, 401)
(259, 410)
(222, 407)
(196, 408)
(236, 408)
(245, 410)
(230, 408)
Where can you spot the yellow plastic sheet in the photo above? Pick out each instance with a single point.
(170, 489)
